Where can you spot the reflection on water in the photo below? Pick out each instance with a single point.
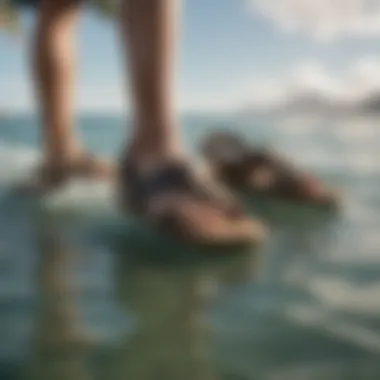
(79, 300)
(190, 316)
(59, 346)
(171, 338)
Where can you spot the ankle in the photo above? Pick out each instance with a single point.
(151, 160)
(62, 156)
(152, 156)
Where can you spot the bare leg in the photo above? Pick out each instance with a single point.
(154, 183)
(54, 64)
(54, 73)
(149, 31)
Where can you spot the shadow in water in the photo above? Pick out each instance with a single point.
(169, 291)
(59, 346)
(185, 314)
(167, 297)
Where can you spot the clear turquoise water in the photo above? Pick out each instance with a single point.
(81, 298)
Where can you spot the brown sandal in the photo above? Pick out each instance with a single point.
(261, 172)
(180, 205)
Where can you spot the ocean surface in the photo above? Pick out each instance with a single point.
(85, 294)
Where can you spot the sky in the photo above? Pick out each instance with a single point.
(233, 53)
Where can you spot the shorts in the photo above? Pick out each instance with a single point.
(104, 6)
(34, 3)
(24, 3)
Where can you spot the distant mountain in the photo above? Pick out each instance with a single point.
(371, 104)
(313, 102)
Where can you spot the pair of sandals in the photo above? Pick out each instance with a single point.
(202, 211)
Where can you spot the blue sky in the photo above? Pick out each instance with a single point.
(231, 52)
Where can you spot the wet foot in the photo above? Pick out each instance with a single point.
(52, 175)
(193, 210)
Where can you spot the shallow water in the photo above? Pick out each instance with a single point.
(85, 296)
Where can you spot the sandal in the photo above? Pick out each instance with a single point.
(47, 178)
(187, 208)
(261, 172)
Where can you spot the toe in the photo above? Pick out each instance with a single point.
(215, 227)
(93, 167)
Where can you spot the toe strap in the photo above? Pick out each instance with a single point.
(176, 178)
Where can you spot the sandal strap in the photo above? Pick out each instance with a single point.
(176, 177)
(288, 180)
(284, 179)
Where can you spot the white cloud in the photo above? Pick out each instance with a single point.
(307, 86)
(310, 86)
(325, 20)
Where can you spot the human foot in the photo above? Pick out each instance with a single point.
(51, 175)
(186, 207)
